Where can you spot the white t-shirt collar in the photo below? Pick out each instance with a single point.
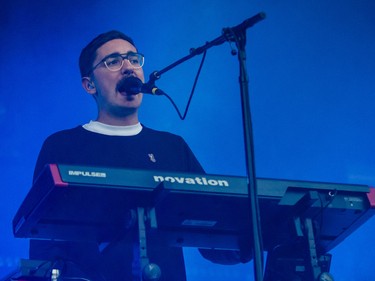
(110, 130)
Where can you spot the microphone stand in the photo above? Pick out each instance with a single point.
(237, 34)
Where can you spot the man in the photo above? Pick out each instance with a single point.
(115, 139)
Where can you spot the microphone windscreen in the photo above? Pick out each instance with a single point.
(131, 85)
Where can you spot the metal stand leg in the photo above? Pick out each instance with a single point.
(143, 270)
(318, 265)
(299, 261)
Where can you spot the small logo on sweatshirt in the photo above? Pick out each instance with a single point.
(152, 157)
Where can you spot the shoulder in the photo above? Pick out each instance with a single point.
(66, 134)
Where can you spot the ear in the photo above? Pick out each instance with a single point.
(88, 85)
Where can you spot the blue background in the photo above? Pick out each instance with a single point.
(312, 91)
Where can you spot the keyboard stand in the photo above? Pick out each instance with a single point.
(300, 259)
(142, 269)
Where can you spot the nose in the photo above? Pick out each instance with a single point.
(127, 68)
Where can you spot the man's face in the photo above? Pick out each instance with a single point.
(108, 98)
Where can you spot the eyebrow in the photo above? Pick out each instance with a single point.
(107, 56)
(118, 53)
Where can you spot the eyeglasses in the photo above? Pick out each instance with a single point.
(114, 62)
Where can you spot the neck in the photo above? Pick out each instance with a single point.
(124, 120)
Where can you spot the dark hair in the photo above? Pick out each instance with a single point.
(88, 54)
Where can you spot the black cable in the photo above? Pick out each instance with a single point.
(182, 117)
(320, 214)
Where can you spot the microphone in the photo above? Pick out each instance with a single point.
(133, 86)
